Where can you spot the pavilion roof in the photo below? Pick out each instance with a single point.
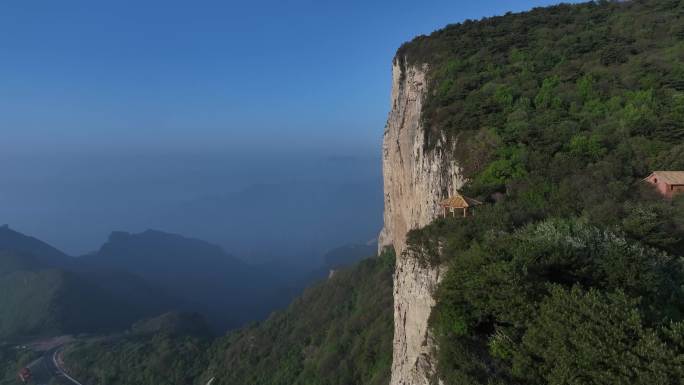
(459, 201)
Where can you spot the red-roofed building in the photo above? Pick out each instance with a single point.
(668, 183)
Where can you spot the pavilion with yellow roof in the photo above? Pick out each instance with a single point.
(458, 203)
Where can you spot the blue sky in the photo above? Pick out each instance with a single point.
(220, 75)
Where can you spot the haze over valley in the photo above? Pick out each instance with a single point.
(285, 207)
(342, 193)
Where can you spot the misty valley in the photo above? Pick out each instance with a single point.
(197, 194)
(143, 291)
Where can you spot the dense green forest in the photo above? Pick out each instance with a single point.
(572, 273)
(339, 332)
(162, 358)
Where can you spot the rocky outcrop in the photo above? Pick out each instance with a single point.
(414, 287)
(415, 180)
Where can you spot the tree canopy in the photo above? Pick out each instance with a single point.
(575, 275)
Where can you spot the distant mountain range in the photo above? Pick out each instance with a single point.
(258, 206)
(297, 221)
(203, 276)
(43, 291)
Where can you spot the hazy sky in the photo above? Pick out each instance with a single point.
(184, 115)
(226, 74)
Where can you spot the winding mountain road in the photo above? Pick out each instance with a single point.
(59, 369)
(48, 367)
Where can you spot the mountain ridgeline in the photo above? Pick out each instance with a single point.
(44, 292)
(201, 275)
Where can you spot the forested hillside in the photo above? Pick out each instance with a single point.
(44, 292)
(53, 302)
(338, 332)
(139, 360)
(571, 273)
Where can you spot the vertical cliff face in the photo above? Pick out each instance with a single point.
(415, 180)
(414, 287)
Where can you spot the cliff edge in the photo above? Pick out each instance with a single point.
(415, 180)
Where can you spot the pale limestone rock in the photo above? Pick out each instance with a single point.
(415, 180)
(414, 287)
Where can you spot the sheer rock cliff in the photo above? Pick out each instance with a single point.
(415, 180)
